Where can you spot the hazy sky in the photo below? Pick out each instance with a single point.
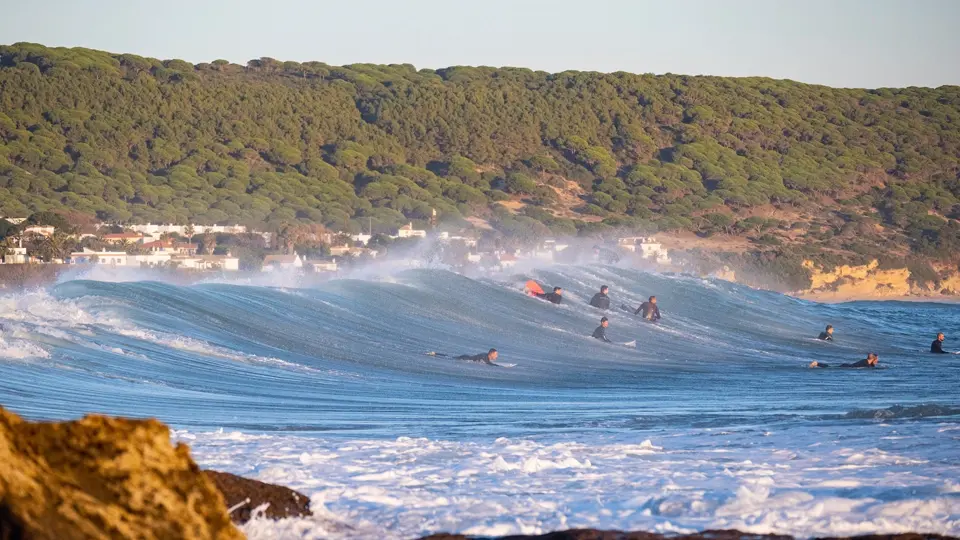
(863, 43)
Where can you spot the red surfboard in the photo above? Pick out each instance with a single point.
(532, 288)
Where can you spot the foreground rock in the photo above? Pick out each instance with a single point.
(592, 534)
(243, 496)
(103, 477)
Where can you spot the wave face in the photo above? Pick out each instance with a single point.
(713, 420)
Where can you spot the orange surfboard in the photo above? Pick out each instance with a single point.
(532, 288)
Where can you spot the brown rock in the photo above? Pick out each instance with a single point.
(244, 495)
(103, 477)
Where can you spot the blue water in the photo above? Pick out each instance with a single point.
(342, 365)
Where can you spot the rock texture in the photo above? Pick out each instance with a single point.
(592, 534)
(243, 496)
(103, 477)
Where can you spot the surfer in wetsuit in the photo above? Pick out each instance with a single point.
(937, 345)
(601, 300)
(649, 310)
(601, 331)
(488, 357)
(826, 335)
(871, 361)
(556, 296)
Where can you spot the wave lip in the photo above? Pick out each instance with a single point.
(899, 411)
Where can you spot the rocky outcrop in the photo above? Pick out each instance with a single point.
(870, 282)
(244, 495)
(103, 477)
(593, 534)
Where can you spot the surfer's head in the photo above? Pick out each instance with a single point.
(492, 355)
(653, 299)
(941, 337)
(558, 290)
(829, 329)
(604, 289)
(604, 322)
(872, 359)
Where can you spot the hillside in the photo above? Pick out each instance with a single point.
(795, 168)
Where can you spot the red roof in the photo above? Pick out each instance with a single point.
(121, 236)
(508, 257)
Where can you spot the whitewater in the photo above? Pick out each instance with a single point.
(712, 421)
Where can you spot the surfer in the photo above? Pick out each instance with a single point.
(937, 345)
(556, 296)
(871, 361)
(601, 331)
(489, 357)
(826, 335)
(601, 300)
(649, 310)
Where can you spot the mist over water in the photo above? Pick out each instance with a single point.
(712, 421)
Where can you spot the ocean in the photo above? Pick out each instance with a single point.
(713, 420)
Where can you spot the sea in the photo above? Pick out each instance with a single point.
(712, 421)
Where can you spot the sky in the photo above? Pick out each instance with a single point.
(846, 43)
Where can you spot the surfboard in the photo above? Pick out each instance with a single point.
(532, 287)
(630, 344)
(504, 365)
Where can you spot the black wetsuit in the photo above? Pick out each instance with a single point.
(860, 364)
(825, 336)
(600, 300)
(551, 297)
(482, 357)
(650, 311)
(937, 347)
(601, 333)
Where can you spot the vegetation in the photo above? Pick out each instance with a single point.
(839, 172)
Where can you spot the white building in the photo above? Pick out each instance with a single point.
(88, 256)
(508, 260)
(323, 266)
(407, 231)
(15, 220)
(158, 258)
(281, 262)
(361, 238)
(202, 263)
(645, 246)
(40, 230)
(154, 230)
(17, 255)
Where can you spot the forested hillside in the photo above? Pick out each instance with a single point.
(132, 139)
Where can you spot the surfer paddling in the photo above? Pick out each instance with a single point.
(649, 310)
(489, 357)
(871, 361)
(937, 345)
(601, 331)
(826, 335)
(534, 289)
(601, 300)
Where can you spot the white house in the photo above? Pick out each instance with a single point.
(40, 230)
(14, 220)
(123, 238)
(508, 260)
(281, 262)
(226, 263)
(88, 256)
(475, 257)
(361, 238)
(17, 255)
(407, 231)
(646, 246)
(323, 266)
(149, 259)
